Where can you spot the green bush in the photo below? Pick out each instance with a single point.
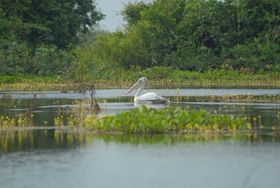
(196, 36)
(19, 58)
(11, 79)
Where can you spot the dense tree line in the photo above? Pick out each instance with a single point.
(44, 37)
(196, 35)
(36, 34)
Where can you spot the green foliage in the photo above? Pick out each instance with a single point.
(260, 54)
(47, 22)
(196, 35)
(11, 79)
(36, 36)
(48, 37)
(256, 17)
(144, 120)
(132, 12)
(17, 58)
(157, 73)
(86, 39)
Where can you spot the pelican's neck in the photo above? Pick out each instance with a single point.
(140, 90)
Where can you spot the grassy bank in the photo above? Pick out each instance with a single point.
(159, 77)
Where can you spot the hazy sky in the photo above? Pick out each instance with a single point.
(111, 8)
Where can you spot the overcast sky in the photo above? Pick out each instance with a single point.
(111, 8)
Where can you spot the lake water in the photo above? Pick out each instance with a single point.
(57, 158)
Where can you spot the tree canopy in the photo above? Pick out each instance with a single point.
(36, 34)
(47, 22)
(43, 37)
(196, 35)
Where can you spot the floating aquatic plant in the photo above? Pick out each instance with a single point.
(145, 120)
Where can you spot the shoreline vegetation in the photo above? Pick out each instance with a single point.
(173, 79)
(200, 36)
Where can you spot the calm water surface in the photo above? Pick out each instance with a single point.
(159, 161)
(49, 158)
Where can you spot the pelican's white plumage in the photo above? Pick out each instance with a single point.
(147, 97)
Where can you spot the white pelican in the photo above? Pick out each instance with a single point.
(147, 97)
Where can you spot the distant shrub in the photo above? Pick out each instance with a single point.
(19, 58)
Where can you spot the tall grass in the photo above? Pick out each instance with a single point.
(157, 77)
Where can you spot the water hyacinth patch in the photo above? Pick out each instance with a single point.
(145, 120)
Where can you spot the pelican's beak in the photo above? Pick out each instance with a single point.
(133, 87)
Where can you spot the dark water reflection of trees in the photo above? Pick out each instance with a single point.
(54, 140)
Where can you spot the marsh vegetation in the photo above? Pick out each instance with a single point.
(190, 111)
